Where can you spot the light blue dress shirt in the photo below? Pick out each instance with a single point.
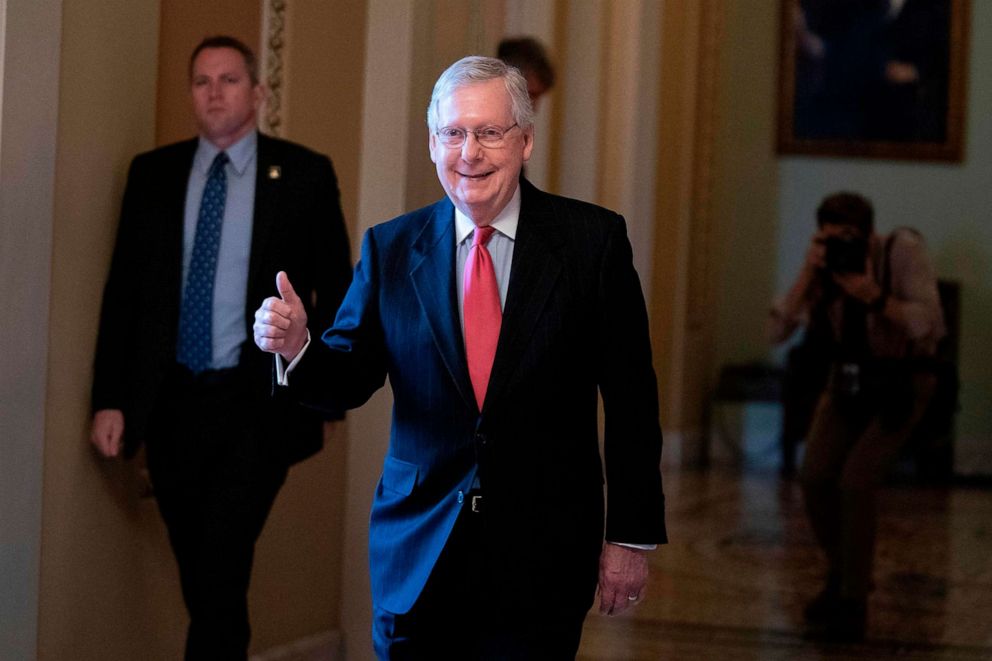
(231, 283)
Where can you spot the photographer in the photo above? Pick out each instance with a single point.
(877, 297)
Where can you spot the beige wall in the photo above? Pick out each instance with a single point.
(108, 586)
(324, 76)
(677, 119)
(29, 51)
(746, 184)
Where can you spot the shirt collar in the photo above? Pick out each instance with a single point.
(505, 223)
(240, 153)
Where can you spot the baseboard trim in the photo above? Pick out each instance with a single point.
(324, 646)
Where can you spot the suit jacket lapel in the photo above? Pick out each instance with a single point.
(176, 181)
(268, 191)
(535, 269)
(433, 278)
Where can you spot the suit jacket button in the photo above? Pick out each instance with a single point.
(480, 439)
(461, 496)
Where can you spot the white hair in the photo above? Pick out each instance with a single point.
(477, 69)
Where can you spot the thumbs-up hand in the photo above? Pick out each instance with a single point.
(281, 322)
(286, 291)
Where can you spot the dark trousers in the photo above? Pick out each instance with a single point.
(848, 456)
(215, 480)
(464, 613)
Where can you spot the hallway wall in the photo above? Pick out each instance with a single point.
(107, 579)
(101, 544)
(29, 71)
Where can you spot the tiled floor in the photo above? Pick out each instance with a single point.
(742, 562)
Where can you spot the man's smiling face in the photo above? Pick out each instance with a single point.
(480, 181)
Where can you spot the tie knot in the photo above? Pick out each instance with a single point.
(220, 160)
(482, 235)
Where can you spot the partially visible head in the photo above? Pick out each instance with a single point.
(846, 210)
(528, 55)
(474, 94)
(223, 76)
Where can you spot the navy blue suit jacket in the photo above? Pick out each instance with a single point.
(574, 323)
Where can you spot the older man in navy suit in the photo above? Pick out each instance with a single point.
(499, 313)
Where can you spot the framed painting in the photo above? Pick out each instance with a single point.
(873, 78)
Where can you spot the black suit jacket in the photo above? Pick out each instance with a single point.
(574, 324)
(297, 227)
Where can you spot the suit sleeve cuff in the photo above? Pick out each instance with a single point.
(282, 370)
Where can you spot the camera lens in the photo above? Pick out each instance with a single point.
(846, 254)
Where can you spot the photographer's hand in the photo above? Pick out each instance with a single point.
(816, 254)
(785, 314)
(860, 286)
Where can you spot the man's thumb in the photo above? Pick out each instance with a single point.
(286, 291)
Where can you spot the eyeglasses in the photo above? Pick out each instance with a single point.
(488, 136)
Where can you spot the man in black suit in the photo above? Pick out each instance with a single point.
(205, 224)
(498, 314)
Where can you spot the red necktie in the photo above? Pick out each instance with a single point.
(482, 313)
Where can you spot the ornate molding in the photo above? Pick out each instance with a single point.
(273, 48)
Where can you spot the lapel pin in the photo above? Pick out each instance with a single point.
(275, 172)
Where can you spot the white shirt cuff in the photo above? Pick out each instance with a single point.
(640, 547)
(283, 371)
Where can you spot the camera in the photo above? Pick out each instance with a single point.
(846, 254)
